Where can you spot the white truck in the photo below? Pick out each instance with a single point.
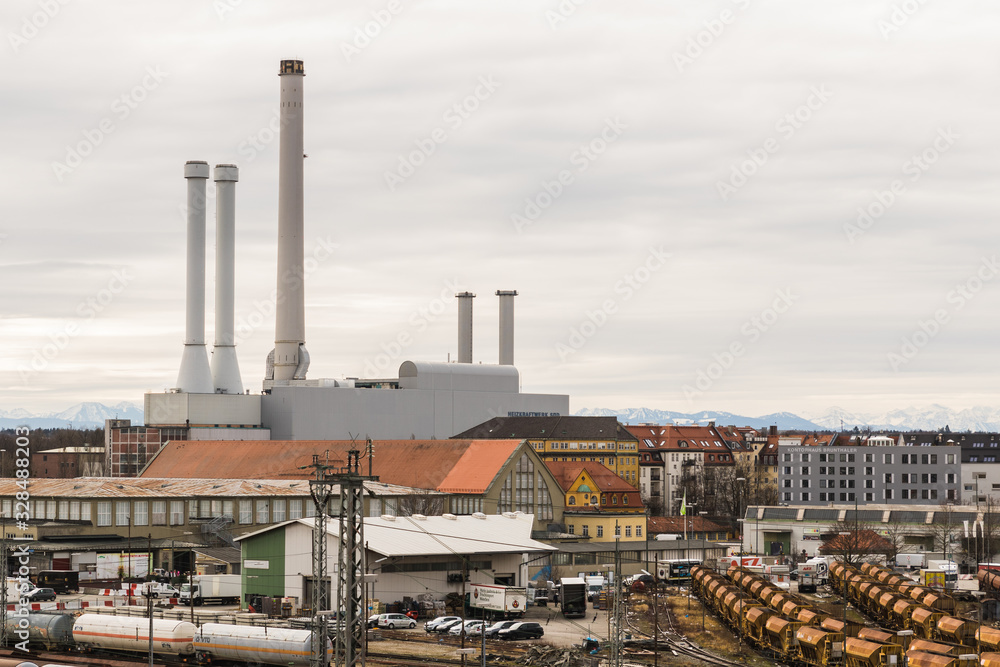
(911, 560)
(208, 588)
(812, 573)
(595, 584)
(499, 601)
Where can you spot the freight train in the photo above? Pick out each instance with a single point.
(790, 629)
(214, 643)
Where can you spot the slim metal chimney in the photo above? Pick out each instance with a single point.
(506, 326)
(225, 367)
(465, 326)
(290, 359)
(195, 376)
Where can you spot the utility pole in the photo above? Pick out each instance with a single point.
(348, 504)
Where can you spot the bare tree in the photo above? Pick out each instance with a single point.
(426, 504)
(945, 529)
(855, 542)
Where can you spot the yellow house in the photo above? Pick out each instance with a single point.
(599, 504)
(570, 440)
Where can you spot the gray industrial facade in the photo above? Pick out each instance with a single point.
(894, 475)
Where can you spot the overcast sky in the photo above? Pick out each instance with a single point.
(675, 189)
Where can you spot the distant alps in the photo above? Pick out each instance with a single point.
(81, 416)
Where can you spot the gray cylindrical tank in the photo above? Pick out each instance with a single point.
(268, 646)
(48, 630)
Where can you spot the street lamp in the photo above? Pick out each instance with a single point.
(739, 511)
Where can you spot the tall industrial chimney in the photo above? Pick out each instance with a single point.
(225, 367)
(195, 376)
(290, 359)
(506, 326)
(465, 326)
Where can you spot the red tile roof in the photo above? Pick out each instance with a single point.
(422, 464)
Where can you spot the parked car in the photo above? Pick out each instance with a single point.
(492, 630)
(373, 621)
(393, 621)
(448, 625)
(522, 630)
(471, 628)
(40, 595)
(434, 624)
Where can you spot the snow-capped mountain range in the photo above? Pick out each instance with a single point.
(81, 415)
(930, 418)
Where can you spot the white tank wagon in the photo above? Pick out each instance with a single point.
(125, 633)
(17, 662)
(49, 631)
(253, 644)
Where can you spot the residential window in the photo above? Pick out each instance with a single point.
(142, 513)
(904, 478)
(787, 497)
(121, 514)
(933, 459)
(869, 458)
(868, 497)
(805, 497)
(805, 470)
(887, 458)
(246, 511)
(951, 478)
(924, 478)
(600, 531)
(787, 457)
(585, 530)
(843, 470)
(618, 530)
(295, 509)
(822, 470)
(159, 512)
(262, 513)
(924, 459)
(888, 494)
(869, 471)
(869, 484)
(104, 513)
(176, 512)
(628, 531)
(787, 483)
(950, 459)
(923, 494)
(888, 478)
(906, 494)
(934, 494)
(638, 531)
(278, 510)
(850, 470)
(906, 459)
(805, 484)
(571, 529)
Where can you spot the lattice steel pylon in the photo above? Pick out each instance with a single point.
(351, 618)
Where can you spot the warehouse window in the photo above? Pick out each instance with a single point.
(159, 512)
(246, 511)
(121, 514)
(262, 513)
(295, 509)
(142, 513)
(176, 512)
(104, 513)
(227, 509)
(279, 510)
(74, 511)
(85, 511)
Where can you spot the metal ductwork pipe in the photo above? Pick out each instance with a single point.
(506, 326)
(225, 367)
(195, 375)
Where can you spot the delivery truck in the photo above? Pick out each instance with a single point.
(213, 588)
(498, 602)
(61, 581)
(573, 597)
(910, 560)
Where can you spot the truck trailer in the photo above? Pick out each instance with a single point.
(498, 602)
(573, 597)
(217, 588)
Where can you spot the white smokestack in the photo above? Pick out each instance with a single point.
(465, 326)
(506, 326)
(290, 359)
(225, 367)
(195, 376)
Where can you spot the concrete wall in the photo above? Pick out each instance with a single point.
(324, 413)
(180, 409)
